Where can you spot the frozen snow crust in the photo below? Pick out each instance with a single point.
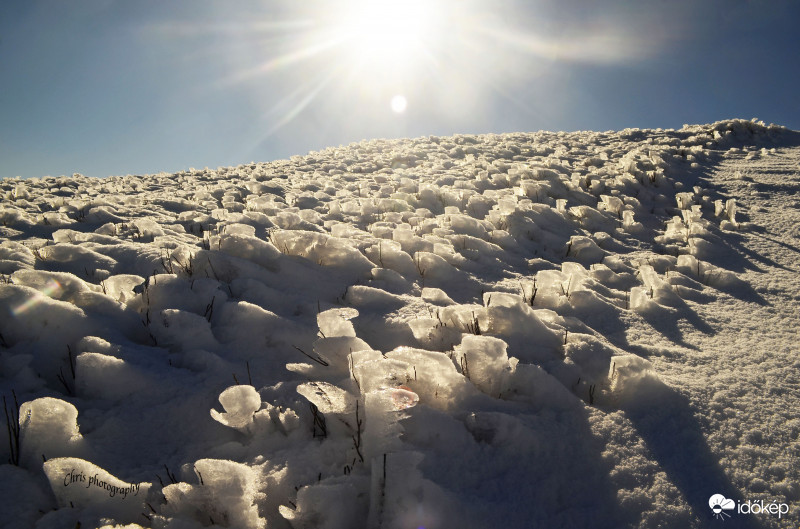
(432, 332)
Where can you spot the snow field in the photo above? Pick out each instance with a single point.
(333, 340)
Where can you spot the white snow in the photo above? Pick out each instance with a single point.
(519, 330)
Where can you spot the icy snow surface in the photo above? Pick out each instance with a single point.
(522, 330)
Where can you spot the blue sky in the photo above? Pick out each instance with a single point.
(108, 87)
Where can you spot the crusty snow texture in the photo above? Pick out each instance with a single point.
(520, 330)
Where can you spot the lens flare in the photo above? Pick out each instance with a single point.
(399, 104)
(52, 287)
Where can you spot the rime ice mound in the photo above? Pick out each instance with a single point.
(240, 403)
(433, 332)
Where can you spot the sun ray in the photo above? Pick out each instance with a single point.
(306, 97)
(278, 62)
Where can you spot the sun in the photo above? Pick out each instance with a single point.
(387, 25)
(387, 33)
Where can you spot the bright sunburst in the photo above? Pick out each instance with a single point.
(378, 49)
(387, 39)
(350, 58)
(386, 28)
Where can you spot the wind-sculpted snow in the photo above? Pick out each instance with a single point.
(399, 333)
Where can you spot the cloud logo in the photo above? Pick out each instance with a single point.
(719, 504)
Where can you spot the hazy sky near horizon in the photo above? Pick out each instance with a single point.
(109, 87)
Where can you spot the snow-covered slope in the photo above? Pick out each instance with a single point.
(523, 330)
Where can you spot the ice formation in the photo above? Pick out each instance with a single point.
(471, 331)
